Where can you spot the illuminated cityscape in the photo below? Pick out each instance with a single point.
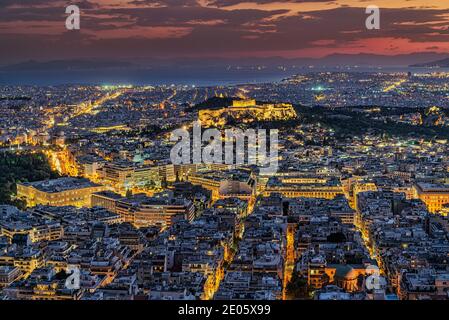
(94, 207)
(358, 186)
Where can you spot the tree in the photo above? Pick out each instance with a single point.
(164, 183)
(336, 237)
(297, 288)
(21, 167)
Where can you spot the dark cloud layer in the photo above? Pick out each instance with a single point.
(34, 29)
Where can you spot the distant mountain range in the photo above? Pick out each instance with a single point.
(334, 60)
(364, 59)
(435, 64)
(202, 71)
(61, 65)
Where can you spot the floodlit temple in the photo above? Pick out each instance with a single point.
(247, 111)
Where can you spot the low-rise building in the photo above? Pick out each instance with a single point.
(59, 192)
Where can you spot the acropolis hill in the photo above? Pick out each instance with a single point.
(247, 111)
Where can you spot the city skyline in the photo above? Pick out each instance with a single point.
(235, 151)
(117, 192)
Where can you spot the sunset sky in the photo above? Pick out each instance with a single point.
(126, 29)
